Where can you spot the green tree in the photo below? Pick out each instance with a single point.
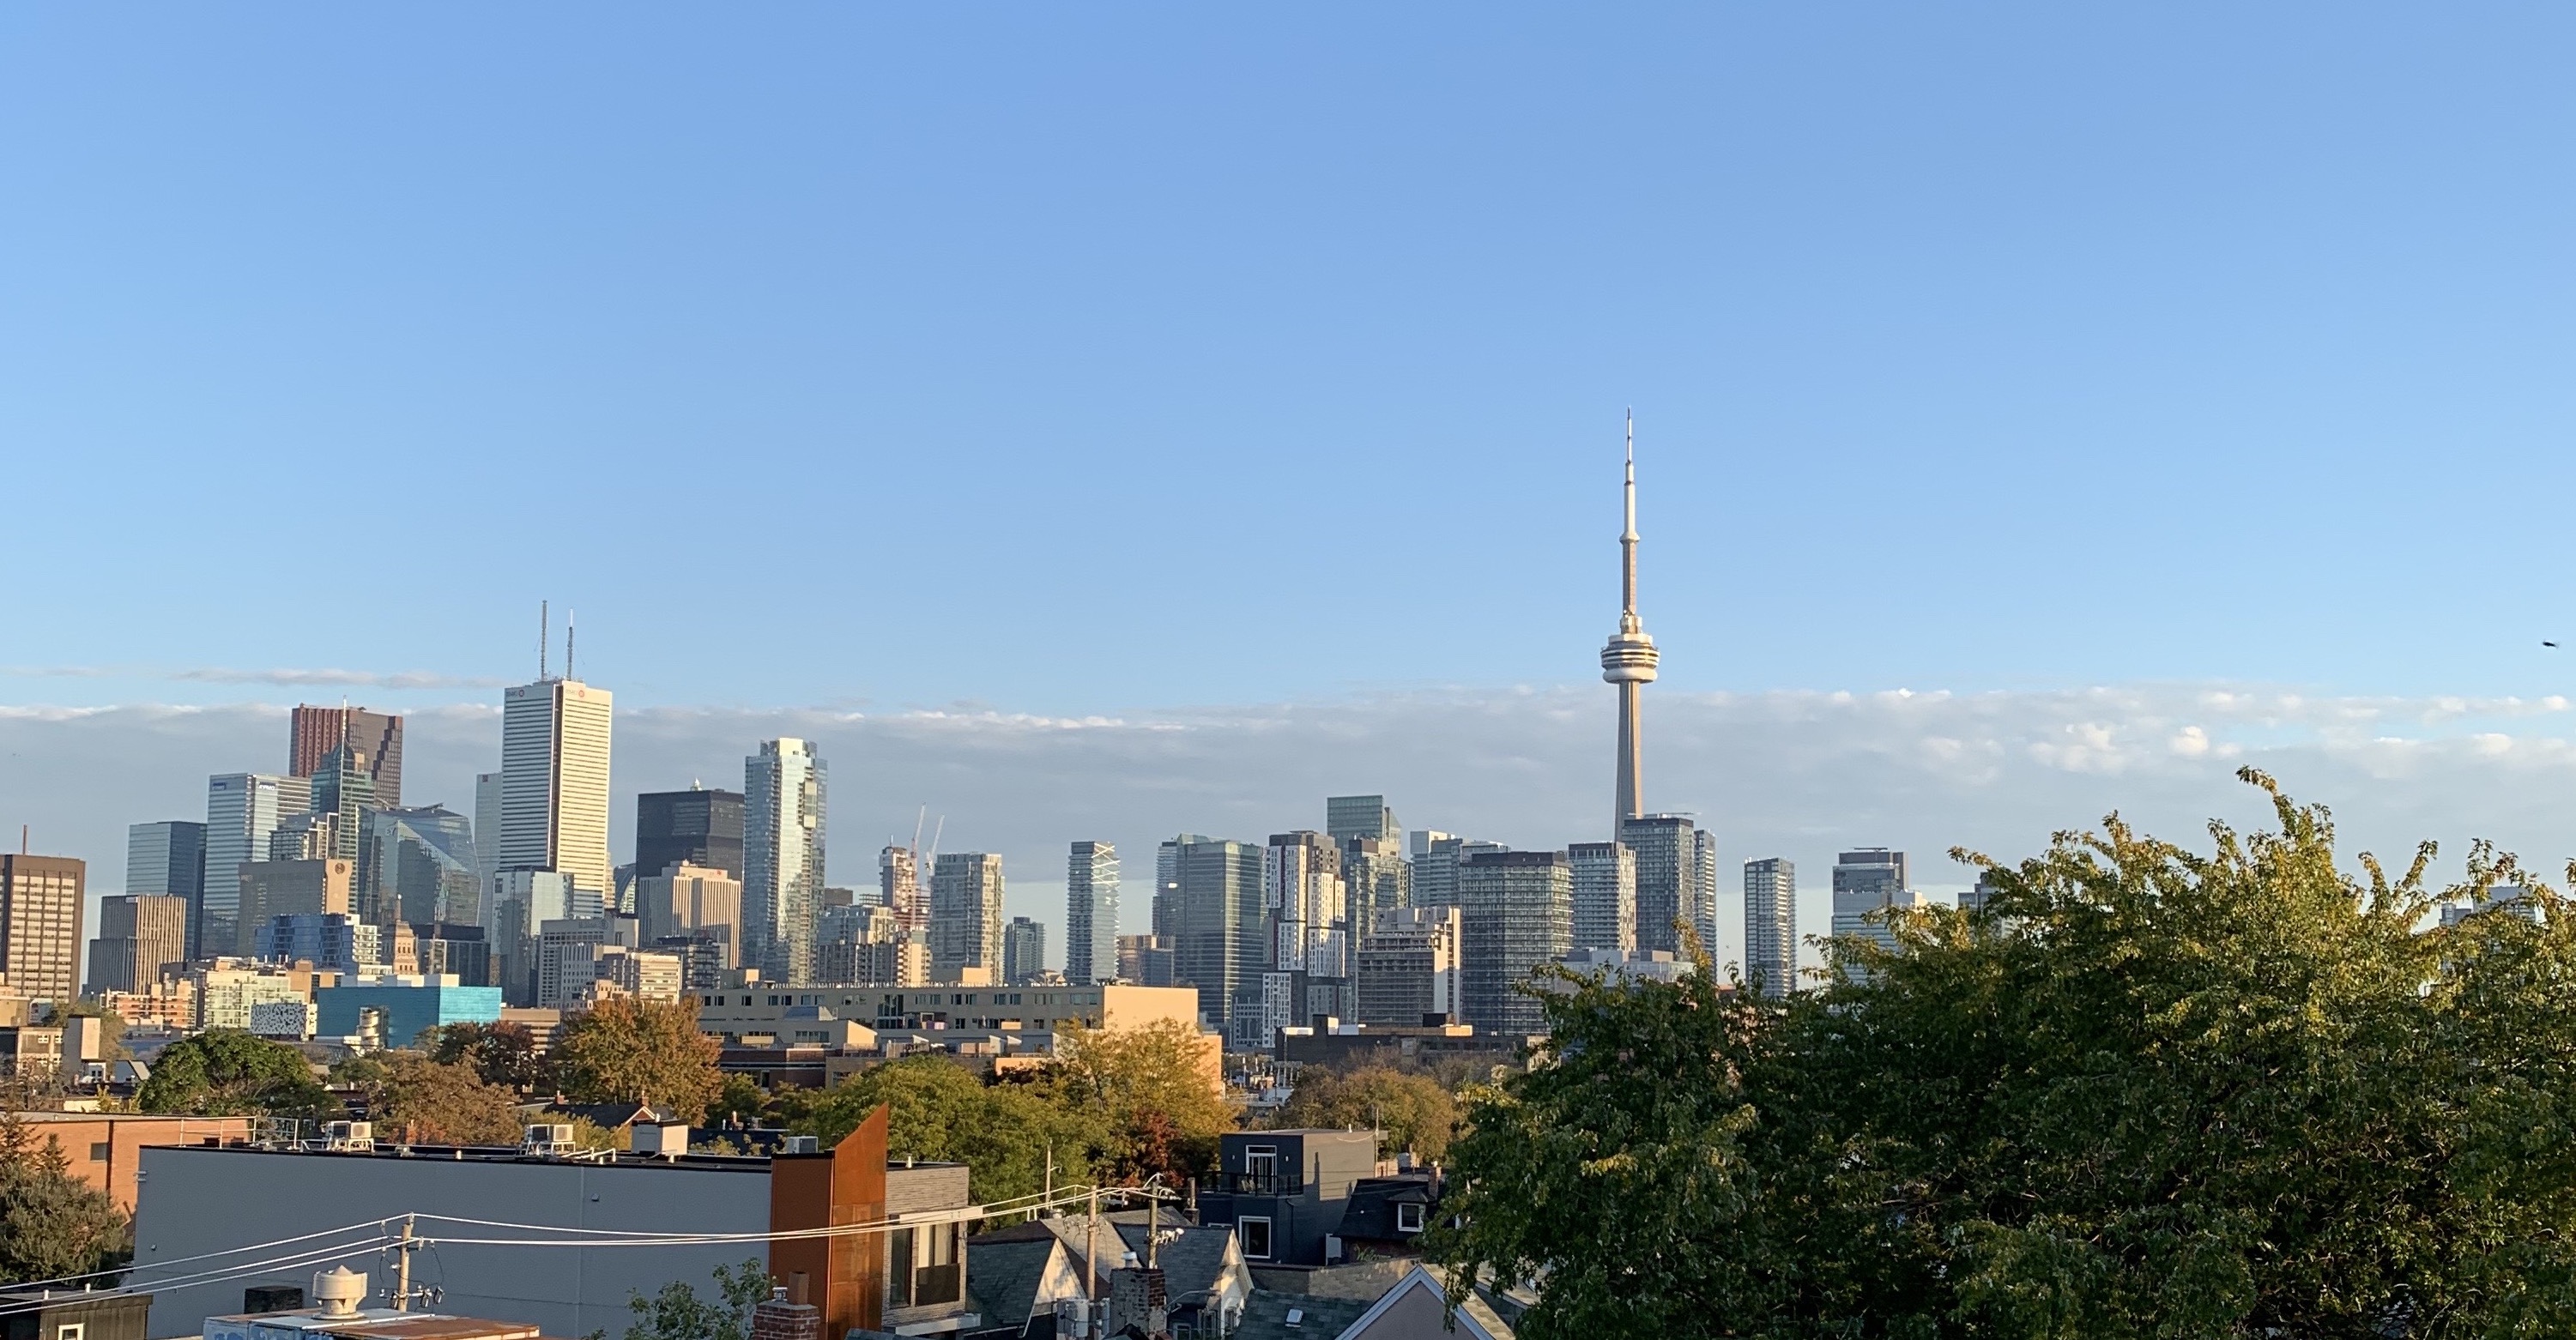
(226, 1072)
(939, 1111)
(503, 1053)
(1414, 1113)
(1158, 1088)
(628, 1050)
(2144, 1091)
(677, 1313)
(51, 1224)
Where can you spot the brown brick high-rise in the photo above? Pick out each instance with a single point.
(316, 731)
(40, 925)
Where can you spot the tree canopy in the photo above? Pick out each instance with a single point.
(628, 1050)
(503, 1053)
(2144, 1091)
(423, 1102)
(226, 1072)
(52, 1224)
(678, 1313)
(1413, 1113)
(937, 1110)
(1155, 1090)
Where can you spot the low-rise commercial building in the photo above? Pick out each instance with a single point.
(103, 1149)
(197, 1199)
(394, 1009)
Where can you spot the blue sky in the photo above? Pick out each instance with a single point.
(1124, 359)
(1079, 359)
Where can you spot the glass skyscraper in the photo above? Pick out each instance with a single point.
(419, 866)
(1091, 913)
(783, 796)
(243, 810)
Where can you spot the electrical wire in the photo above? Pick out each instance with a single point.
(311, 1257)
(378, 1224)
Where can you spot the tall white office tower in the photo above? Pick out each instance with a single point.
(966, 912)
(487, 822)
(783, 795)
(1091, 913)
(1605, 895)
(1703, 909)
(243, 811)
(554, 781)
(1629, 659)
(1771, 924)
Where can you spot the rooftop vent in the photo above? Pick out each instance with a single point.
(339, 1291)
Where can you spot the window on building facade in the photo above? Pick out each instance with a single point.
(1255, 1232)
(1408, 1218)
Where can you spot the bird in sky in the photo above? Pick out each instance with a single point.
(2547, 643)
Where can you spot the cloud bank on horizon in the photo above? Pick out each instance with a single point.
(1797, 774)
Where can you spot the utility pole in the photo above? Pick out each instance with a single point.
(1091, 1264)
(402, 1269)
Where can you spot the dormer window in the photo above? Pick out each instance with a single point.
(1408, 1217)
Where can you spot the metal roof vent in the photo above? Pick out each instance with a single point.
(339, 1290)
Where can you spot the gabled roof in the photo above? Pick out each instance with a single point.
(1267, 1316)
(1194, 1258)
(1007, 1278)
(1369, 1216)
(1476, 1317)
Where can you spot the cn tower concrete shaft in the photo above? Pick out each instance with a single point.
(1628, 659)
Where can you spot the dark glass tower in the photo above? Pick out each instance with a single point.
(699, 826)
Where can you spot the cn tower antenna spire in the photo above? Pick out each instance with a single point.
(1629, 659)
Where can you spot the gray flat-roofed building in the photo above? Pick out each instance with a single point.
(198, 1199)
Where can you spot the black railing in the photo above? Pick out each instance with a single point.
(1281, 1183)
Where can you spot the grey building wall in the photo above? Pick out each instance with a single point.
(194, 1200)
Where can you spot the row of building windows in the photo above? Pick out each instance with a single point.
(959, 998)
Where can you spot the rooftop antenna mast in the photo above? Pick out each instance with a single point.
(545, 631)
(567, 644)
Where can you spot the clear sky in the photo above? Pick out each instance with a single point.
(1073, 360)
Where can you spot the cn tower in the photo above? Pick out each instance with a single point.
(1628, 659)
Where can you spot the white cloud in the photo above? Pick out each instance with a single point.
(1800, 774)
(280, 678)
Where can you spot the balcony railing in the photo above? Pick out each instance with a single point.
(1284, 1182)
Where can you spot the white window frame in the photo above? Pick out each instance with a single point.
(1269, 1245)
(1406, 1209)
(70, 1330)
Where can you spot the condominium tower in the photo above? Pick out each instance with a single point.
(1091, 913)
(966, 912)
(783, 796)
(1214, 908)
(1605, 895)
(1771, 924)
(1023, 951)
(554, 781)
(1676, 880)
(1518, 914)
